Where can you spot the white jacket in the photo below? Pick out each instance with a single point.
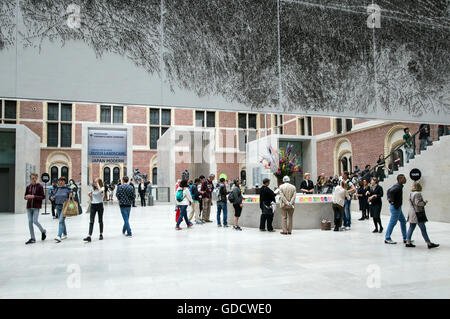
(187, 198)
(339, 196)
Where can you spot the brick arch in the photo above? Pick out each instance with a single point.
(152, 164)
(389, 142)
(338, 152)
(59, 159)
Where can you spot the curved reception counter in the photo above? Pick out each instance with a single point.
(309, 212)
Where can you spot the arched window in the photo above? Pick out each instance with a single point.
(65, 172)
(53, 173)
(350, 164)
(116, 175)
(107, 175)
(155, 176)
(243, 175)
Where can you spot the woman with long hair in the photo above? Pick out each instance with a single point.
(375, 193)
(361, 194)
(96, 196)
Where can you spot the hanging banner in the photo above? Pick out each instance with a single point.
(107, 146)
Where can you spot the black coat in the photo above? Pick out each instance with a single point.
(266, 196)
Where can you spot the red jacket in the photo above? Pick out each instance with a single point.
(38, 191)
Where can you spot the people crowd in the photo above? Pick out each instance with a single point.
(196, 198)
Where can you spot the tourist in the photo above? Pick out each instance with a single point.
(307, 186)
(105, 192)
(287, 204)
(442, 131)
(51, 193)
(177, 208)
(111, 191)
(186, 200)
(348, 201)
(340, 194)
(149, 191)
(134, 191)
(395, 198)
(141, 190)
(361, 194)
(62, 194)
(408, 143)
(424, 137)
(195, 194)
(96, 195)
(266, 199)
(206, 191)
(366, 174)
(126, 195)
(321, 183)
(416, 216)
(222, 203)
(375, 194)
(381, 165)
(356, 170)
(202, 179)
(237, 200)
(34, 194)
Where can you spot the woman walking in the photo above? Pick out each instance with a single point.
(34, 194)
(183, 200)
(416, 216)
(375, 193)
(266, 198)
(340, 194)
(361, 194)
(96, 196)
(62, 194)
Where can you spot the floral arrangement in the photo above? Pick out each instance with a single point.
(281, 163)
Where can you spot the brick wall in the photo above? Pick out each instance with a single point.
(136, 115)
(321, 125)
(75, 157)
(31, 110)
(227, 119)
(86, 112)
(184, 117)
(36, 127)
(140, 135)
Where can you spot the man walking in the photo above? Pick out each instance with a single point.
(424, 137)
(287, 201)
(395, 198)
(51, 192)
(206, 191)
(34, 194)
(126, 195)
(195, 194)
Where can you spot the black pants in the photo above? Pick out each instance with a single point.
(53, 208)
(201, 208)
(142, 196)
(266, 218)
(96, 208)
(338, 214)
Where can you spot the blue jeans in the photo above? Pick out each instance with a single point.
(222, 206)
(183, 214)
(62, 230)
(396, 215)
(409, 154)
(347, 216)
(33, 214)
(125, 211)
(423, 229)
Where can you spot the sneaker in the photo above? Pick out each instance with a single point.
(100, 237)
(347, 228)
(219, 225)
(410, 245)
(30, 241)
(336, 229)
(362, 218)
(225, 226)
(375, 231)
(238, 228)
(58, 239)
(262, 230)
(271, 231)
(64, 237)
(43, 236)
(431, 245)
(404, 241)
(190, 225)
(87, 239)
(178, 228)
(389, 241)
(129, 235)
(199, 223)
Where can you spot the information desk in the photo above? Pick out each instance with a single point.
(309, 212)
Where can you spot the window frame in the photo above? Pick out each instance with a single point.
(160, 126)
(60, 123)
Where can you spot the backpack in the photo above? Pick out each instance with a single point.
(216, 193)
(180, 195)
(231, 198)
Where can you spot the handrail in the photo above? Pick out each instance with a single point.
(373, 170)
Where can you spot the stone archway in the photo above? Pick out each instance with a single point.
(342, 148)
(393, 138)
(59, 159)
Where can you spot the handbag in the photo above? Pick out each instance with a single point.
(70, 208)
(421, 216)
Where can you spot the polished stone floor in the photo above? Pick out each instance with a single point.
(211, 262)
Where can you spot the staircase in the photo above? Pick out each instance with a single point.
(434, 163)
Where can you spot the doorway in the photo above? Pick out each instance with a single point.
(7, 188)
